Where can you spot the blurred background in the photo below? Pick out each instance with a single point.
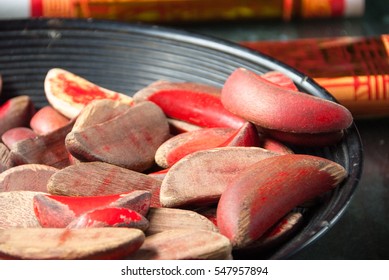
(374, 20)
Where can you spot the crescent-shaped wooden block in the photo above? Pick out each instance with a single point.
(184, 244)
(100, 179)
(129, 140)
(201, 177)
(262, 194)
(69, 93)
(56, 211)
(270, 106)
(195, 103)
(69, 244)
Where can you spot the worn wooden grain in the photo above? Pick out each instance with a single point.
(201, 177)
(163, 219)
(184, 244)
(26, 177)
(129, 140)
(5, 158)
(46, 149)
(69, 244)
(99, 111)
(100, 178)
(15, 112)
(17, 210)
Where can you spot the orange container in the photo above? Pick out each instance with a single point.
(163, 11)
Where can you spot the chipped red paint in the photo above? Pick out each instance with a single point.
(113, 216)
(81, 204)
(79, 94)
(110, 217)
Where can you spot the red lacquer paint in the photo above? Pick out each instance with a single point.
(246, 136)
(202, 109)
(83, 94)
(199, 140)
(5, 108)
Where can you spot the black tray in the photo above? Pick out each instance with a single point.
(126, 57)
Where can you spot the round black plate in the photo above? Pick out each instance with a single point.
(126, 57)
